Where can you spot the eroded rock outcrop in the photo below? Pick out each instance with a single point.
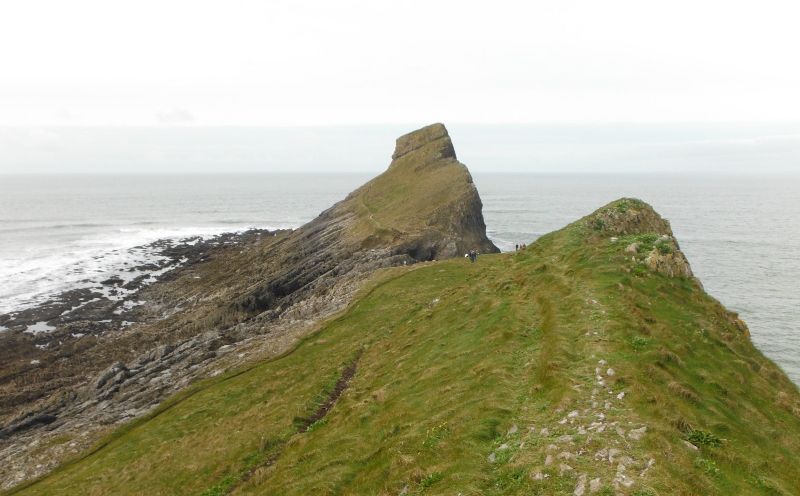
(645, 234)
(626, 217)
(424, 207)
(668, 259)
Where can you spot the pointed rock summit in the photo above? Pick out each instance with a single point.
(423, 207)
(435, 133)
(425, 203)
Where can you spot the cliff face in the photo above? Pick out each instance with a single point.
(255, 294)
(424, 207)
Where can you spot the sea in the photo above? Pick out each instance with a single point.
(740, 233)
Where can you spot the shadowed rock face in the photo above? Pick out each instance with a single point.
(424, 207)
(262, 291)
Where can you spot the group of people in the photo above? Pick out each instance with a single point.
(473, 254)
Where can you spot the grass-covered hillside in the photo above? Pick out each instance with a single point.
(575, 366)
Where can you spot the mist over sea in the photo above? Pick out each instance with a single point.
(740, 234)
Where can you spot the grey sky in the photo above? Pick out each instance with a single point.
(568, 86)
(550, 148)
(280, 63)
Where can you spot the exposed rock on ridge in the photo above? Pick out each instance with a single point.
(668, 259)
(651, 236)
(625, 217)
(648, 241)
(423, 137)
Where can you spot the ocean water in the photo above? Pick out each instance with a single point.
(739, 232)
(62, 232)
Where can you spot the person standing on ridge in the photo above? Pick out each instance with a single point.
(472, 256)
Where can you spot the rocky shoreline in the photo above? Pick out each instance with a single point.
(113, 302)
(46, 356)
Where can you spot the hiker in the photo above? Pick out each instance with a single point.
(516, 247)
(472, 256)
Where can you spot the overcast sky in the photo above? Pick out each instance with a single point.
(344, 62)
(321, 63)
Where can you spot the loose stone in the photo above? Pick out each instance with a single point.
(580, 487)
(637, 434)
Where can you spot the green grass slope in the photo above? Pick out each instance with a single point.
(565, 368)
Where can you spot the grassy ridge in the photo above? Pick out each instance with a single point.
(470, 379)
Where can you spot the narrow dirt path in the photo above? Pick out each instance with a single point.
(342, 384)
